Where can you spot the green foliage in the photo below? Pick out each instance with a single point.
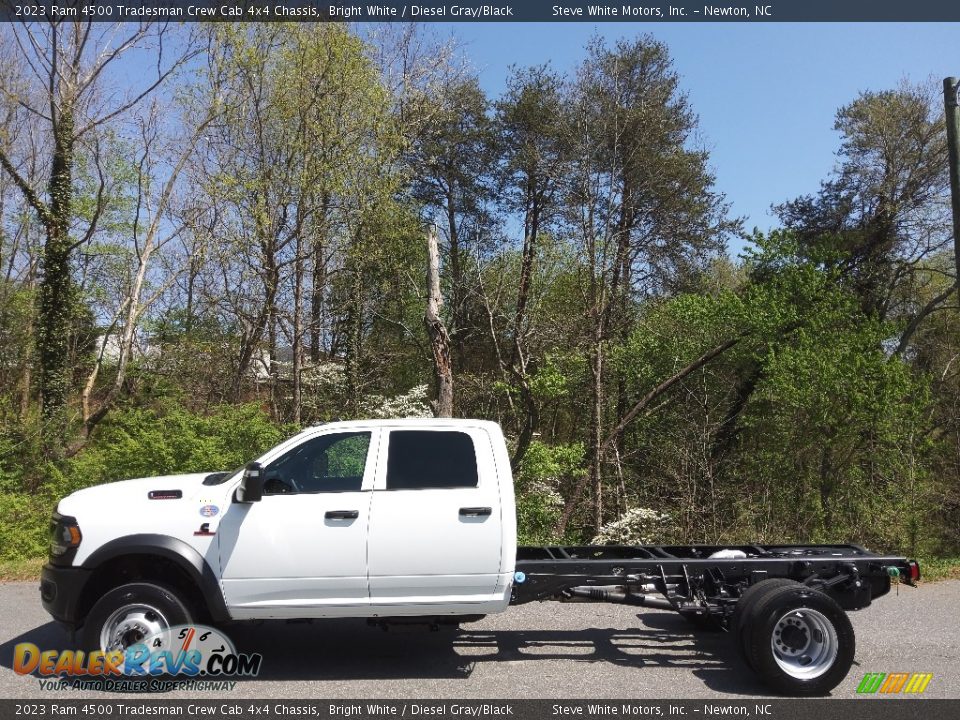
(544, 470)
(550, 381)
(347, 457)
(23, 525)
(131, 443)
(939, 568)
(16, 319)
(142, 442)
(806, 430)
(27, 494)
(21, 570)
(835, 436)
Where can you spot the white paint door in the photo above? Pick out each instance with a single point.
(304, 545)
(435, 523)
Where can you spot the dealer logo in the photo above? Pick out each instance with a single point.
(190, 651)
(894, 683)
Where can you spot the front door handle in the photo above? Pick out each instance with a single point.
(475, 511)
(342, 514)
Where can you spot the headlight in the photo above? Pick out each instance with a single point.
(64, 535)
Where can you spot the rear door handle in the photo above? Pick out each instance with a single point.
(342, 514)
(475, 511)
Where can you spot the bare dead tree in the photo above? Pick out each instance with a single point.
(150, 235)
(439, 338)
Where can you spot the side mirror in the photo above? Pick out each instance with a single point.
(251, 486)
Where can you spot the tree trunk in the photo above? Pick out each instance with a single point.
(297, 334)
(56, 286)
(596, 445)
(532, 229)
(191, 282)
(531, 420)
(437, 331)
(596, 430)
(251, 344)
(456, 280)
(354, 330)
(319, 283)
(272, 357)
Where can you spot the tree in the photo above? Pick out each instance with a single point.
(70, 63)
(153, 224)
(533, 143)
(439, 338)
(21, 244)
(450, 159)
(640, 206)
(829, 444)
(296, 199)
(886, 207)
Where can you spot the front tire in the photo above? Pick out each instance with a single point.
(799, 641)
(128, 614)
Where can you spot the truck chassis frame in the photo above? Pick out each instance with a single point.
(785, 605)
(691, 582)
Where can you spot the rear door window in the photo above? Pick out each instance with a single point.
(430, 459)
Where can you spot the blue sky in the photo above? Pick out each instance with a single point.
(766, 94)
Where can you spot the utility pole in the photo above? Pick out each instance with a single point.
(951, 103)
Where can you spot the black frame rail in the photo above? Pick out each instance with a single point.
(691, 581)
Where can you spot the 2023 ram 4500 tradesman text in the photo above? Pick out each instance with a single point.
(416, 519)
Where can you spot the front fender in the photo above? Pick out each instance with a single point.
(170, 548)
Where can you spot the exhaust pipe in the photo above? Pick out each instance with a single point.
(613, 594)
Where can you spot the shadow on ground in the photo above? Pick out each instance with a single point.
(344, 650)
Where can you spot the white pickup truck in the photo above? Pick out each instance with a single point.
(416, 519)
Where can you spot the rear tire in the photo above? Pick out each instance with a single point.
(743, 620)
(127, 614)
(799, 641)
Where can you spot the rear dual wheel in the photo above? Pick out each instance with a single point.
(797, 639)
(743, 613)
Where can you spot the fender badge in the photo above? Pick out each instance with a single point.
(204, 530)
(209, 510)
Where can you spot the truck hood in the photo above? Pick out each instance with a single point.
(114, 511)
(129, 493)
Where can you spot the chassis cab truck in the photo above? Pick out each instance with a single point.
(416, 519)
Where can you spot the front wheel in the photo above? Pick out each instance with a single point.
(800, 641)
(130, 613)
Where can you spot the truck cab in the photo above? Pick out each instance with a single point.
(349, 519)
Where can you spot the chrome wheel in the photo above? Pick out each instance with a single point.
(129, 625)
(804, 643)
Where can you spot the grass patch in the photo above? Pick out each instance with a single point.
(933, 569)
(21, 570)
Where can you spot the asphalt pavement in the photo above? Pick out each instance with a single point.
(540, 651)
